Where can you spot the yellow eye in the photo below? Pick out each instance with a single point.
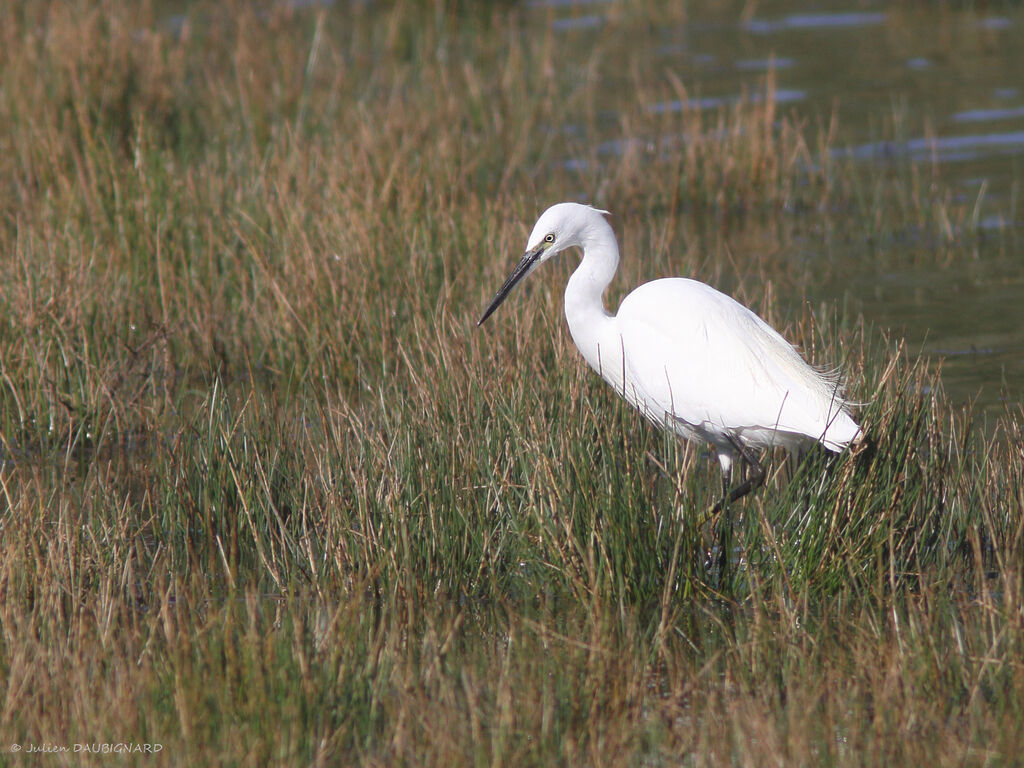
(549, 238)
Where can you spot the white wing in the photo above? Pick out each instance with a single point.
(695, 354)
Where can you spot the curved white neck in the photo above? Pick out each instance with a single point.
(584, 304)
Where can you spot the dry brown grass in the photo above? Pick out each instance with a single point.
(268, 498)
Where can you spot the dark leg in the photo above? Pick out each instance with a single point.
(754, 475)
(753, 478)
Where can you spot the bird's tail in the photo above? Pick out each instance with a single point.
(842, 433)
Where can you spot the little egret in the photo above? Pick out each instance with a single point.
(690, 358)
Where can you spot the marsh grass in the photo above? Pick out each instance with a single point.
(270, 498)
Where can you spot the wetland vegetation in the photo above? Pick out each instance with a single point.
(267, 496)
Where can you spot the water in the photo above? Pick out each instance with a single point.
(937, 88)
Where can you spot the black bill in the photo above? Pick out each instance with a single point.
(522, 269)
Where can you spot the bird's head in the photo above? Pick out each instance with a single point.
(561, 226)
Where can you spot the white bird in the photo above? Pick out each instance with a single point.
(690, 358)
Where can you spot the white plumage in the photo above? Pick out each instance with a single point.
(690, 358)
